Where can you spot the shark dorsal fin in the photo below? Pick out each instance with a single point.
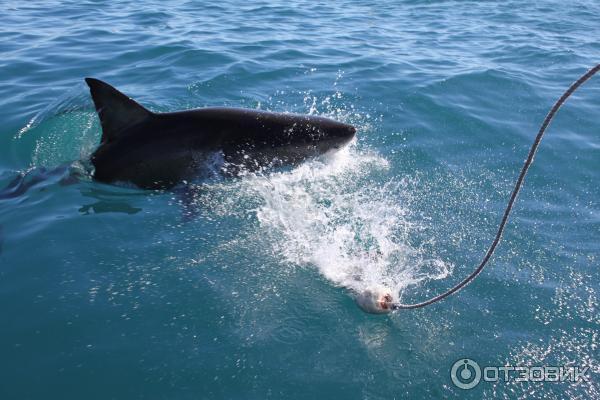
(117, 112)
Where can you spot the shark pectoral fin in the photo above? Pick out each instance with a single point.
(117, 112)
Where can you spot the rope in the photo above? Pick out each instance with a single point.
(513, 197)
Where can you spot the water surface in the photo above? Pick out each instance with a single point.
(114, 292)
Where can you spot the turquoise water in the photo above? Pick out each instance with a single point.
(113, 292)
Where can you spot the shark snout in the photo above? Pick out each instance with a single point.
(345, 131)
(341, 133)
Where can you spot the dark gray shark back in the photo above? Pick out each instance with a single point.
(158, 150)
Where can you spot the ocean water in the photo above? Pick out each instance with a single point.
(110, 292)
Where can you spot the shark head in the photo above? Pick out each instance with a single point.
(333, 134)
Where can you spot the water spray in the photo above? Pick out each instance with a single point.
(379, 300)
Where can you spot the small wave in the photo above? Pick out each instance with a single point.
(66, 130)
(73, 100)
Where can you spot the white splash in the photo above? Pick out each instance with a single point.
(333, 213)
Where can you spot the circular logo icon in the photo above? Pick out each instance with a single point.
(465, 373)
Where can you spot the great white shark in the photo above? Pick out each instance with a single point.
(160, 150)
